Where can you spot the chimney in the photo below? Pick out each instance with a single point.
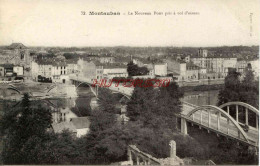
(173, 149)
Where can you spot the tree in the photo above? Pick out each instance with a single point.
(131, 68)
(71, 55)
(142, 71)
(155, 107)
(107, 101)
(106, 141)
(134, 70)
(20, 126)
(234, 89)
(250, 88)
(142, 101)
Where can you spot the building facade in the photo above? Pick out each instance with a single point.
(18, 55)
(160, 69)
(214, 64)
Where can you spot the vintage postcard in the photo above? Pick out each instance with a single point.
(136, 82)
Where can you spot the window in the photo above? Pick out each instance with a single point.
(22, 56)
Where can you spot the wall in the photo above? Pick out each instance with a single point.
(18, 70)
(35, 71)
(192, 74)
(255, 67)
(82, 132)
(72, 68)
(59, 70)
(87, 69)
(176, 66)
(45, 71)
(160, 69)
(115, 72)
(229, 63)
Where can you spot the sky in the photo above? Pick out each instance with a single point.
(60, 23)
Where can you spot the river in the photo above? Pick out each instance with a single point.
(80, 106)
(202, 97)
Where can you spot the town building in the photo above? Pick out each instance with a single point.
(114, 70)
(18, 70)
(49, 70)
(72, 66)
(160, 69)
(10, 72)
(218, 64)
(96, 70)
(100, 58)
(255, 67)
(18, 55)
(90, 69)
(157, 68)
(192, 72)
(241, 66)
(6, 72)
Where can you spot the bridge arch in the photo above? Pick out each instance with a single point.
(14, 89)
(220, 112)
(90, 86)
(51, 87)
(241, 104)
(246, 106)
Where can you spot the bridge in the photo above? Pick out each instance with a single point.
(114, 87)
(218, 120)
(215, 119)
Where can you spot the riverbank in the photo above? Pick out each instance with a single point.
(202, 88)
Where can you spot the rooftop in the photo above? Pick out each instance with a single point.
(81, 122)
(172, 72)
(51, 61)
(59, 127)
(7, 65)
(176, 60)
(113, 65)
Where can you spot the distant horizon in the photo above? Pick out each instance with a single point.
(135, 46)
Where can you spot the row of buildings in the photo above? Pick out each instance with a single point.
(203, 66)
(91, 67)
(19, 61)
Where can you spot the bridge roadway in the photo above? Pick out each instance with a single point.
(226, 128)
(127, 91)
(253, 133)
